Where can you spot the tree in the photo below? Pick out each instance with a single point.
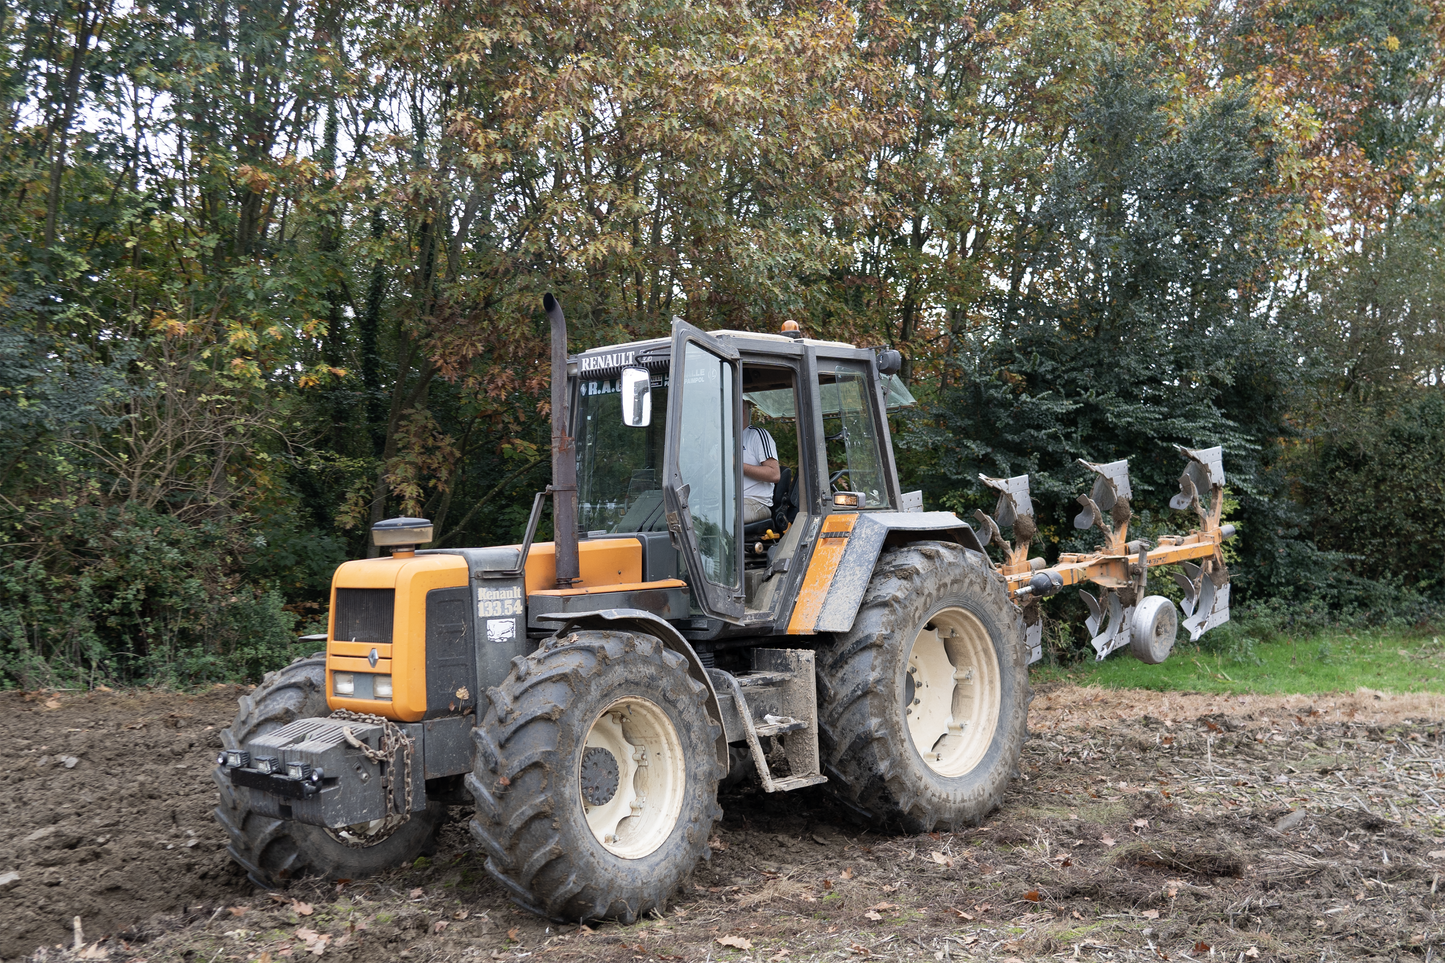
(1136, 319)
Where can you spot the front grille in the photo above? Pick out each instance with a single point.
(364, 615)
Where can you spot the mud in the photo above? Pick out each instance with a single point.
(1143, 826)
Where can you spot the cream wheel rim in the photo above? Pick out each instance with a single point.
(631, 775)
(953, 692)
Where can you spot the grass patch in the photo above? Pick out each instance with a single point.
(1253, 659)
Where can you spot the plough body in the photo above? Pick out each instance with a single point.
(1123, 613)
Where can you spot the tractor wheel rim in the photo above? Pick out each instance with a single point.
(631, 776)
(954, 692)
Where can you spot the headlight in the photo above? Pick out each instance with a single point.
(267, 764)
(381, 685)
(343, 683)
(235, 758)
(298, 770)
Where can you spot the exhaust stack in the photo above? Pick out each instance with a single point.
(564, 455)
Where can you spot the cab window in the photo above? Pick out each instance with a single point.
(855, 457)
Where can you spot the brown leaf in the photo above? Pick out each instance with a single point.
(847, 873)
(1140, 823)
(301, 909)
(1201, 947)
(1032, 896)
(239, 910)
(1252, 953)
(858, 948)
(890, 888)
(961, 914)
(306, 934)
(417, 893)
(52, 703)
(738, 942)
(1076, 915)
(461, 914)
(1151, 914)
(1107, 840)
(827, 884)
(778, 956)
(716, 844)
(872, 915)
(941, 859)
(883, 906)
(439, 925)
(503, 781)
(512, 933)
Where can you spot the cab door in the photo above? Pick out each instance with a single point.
(702, 491)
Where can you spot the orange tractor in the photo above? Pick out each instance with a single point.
(583, 698)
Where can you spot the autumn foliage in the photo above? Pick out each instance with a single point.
(272, 271)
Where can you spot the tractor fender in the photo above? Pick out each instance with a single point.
(870, 533)
(640, 620)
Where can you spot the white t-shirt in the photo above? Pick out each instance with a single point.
(757, 448)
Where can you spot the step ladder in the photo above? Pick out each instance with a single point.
(779, 697)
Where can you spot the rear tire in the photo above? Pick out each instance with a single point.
(595, 777)
(923, 704)
(273, 850)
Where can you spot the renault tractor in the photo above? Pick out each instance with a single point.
(582, 699)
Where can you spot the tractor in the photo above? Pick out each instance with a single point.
(584, 698)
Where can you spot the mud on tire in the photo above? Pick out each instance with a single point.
(926, 601)
(551, 763)
(273, 850)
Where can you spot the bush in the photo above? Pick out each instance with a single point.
(124, 594)
(1375, 492)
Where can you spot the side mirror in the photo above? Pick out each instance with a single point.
(636, 397)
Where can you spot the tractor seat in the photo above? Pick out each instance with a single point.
(785, 507)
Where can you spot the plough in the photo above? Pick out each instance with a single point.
(1122, 613)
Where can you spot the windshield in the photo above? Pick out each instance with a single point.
(619, 469)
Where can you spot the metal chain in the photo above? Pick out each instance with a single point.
(392, 739)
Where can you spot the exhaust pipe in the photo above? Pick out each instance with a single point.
(564, 455)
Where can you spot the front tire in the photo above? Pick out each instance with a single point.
(273, 850)
(595, 777)
(923, 704)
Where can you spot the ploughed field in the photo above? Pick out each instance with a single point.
(1145, 826)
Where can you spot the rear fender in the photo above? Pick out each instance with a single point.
(870, 533)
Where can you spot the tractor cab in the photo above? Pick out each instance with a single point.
(660, 457)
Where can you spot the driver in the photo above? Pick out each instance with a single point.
(760, 469)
